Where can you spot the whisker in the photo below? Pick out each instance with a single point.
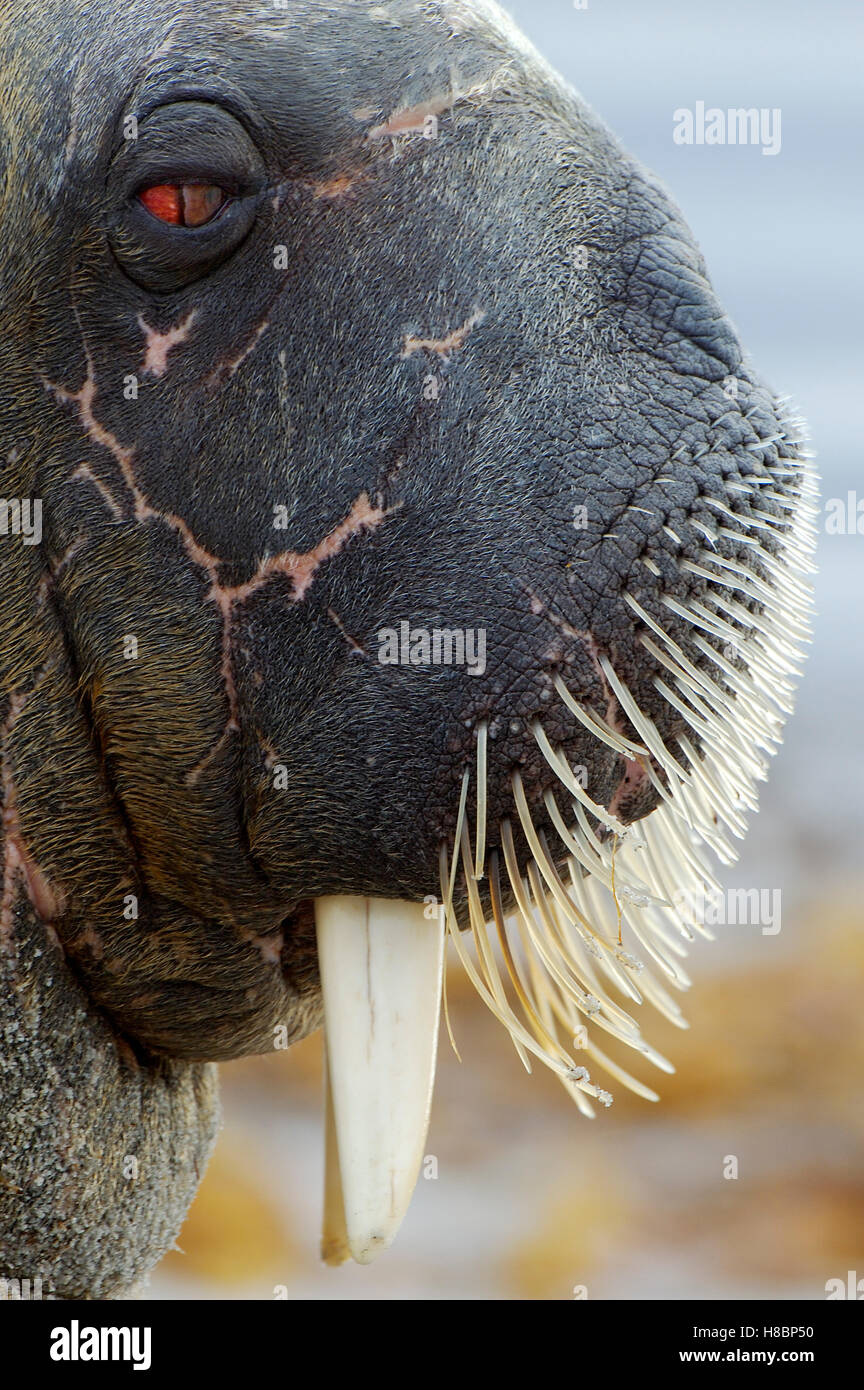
(558, 764)
(480, 839)
(457, 839)
(597, 726)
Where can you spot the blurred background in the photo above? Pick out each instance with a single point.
(531, 1200)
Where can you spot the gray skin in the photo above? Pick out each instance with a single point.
(428, 346)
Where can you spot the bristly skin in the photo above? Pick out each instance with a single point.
(441, 312)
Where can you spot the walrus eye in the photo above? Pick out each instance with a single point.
(184, 205)
(184, 195)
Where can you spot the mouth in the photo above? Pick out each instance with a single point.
(569, 916)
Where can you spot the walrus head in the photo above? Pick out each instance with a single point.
(417, 544)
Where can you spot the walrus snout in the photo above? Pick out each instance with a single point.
(482, 616)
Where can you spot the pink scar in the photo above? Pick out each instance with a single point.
(158, 345)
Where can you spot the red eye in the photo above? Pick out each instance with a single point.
(184, 205)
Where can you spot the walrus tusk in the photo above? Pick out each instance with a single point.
(334, 1235)
(381, 964)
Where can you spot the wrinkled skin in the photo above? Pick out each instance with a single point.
(375, 388)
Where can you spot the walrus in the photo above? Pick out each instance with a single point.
(340, 343)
